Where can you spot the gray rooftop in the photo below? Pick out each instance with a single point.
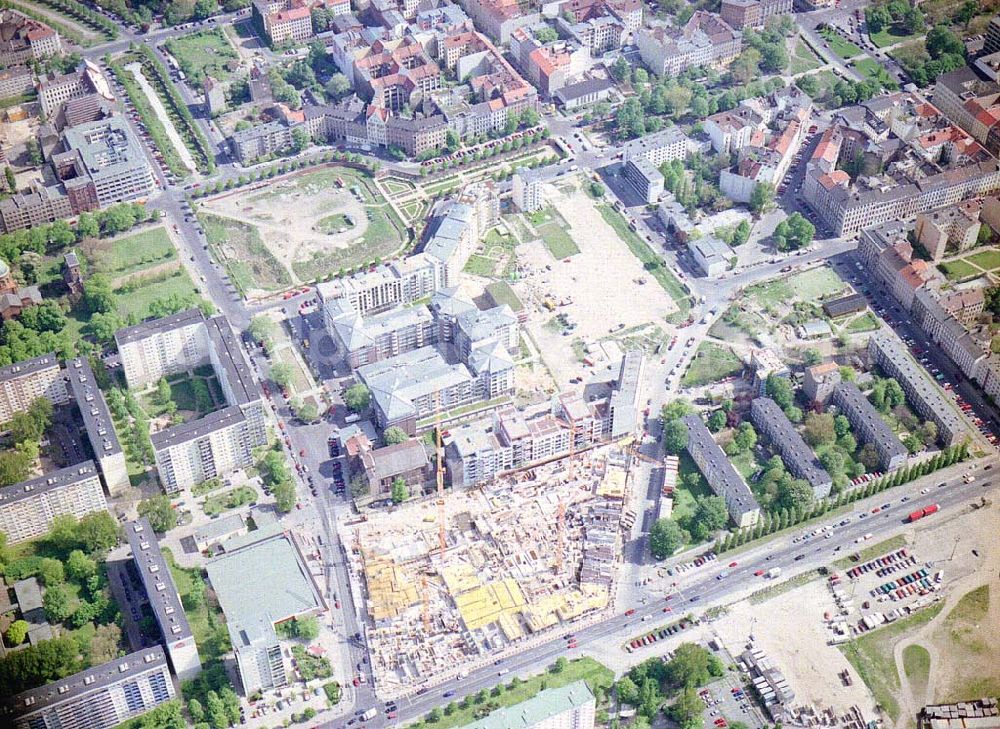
(28, 367)
(399, 458)
(158, 583)
(28, 594)
(717, 470)
(31, 488)
(571, 92)
(86, 682)
(643, 145)
(856, 407)
(234, 365)
(93, 409)
(194, 429)
(281, 587)
(155, 326)
(796, 454)
(396, 382)
(447, 230)
(104, 145)
(218, 528)
(478, 324)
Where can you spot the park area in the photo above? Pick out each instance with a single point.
(300, 227)
(803, 59)
(838, 44)
(206, 53)
(983, 262)
(129, 254)
(711, 363)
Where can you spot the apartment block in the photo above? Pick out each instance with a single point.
(798, 457)
(16, 81)
(722, 478)
(955, 227)
(101, 433)
(659, 147)
(211, 446)
(55, 90)
(282, 21)
(645, 178)
(924, 396)
(101, 697)
(971, 103)
(39, 206)
(527, 190)
(24, 39)
(705, 40)
(868, 426)
(742, 14)
(388, 285)
(381, 467)
(820, 380)
(21, 383)
(164, 600)
(162, 347)
(364, 340)
(28, 508)
(570, 707)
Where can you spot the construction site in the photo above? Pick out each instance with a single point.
(451, 583)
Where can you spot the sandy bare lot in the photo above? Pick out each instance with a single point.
(601, 280)
(287, 215)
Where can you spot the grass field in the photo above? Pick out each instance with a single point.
(875, 550)
(597, 676)
(557, 240)
(238, 246)
(206, 620)
(917, 667)
(502, 293)
(871, 656)
(381, 239)
(136, 300)
(712, 362)
(987, 260)
(812, 285)
(867, 66)
(891, 36)
(206, 53)
(336, 223)
(232, 499)
(864, 323)
(958, 270)
(135, 252)
(647, 256)
(839, 45)
(803, 59)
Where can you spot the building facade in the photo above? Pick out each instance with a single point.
(28, 508)
(718, 471)
(23, 382)
(799, 459)
(868, 425)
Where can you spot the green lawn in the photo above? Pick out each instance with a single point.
(597, 676)
(652, 262)
(812, 285)
(336, 223)
(479, 265)
(557, 240)
(876, 550)
(136, 301)
(232, 499)
(871, 656)
(864, 323)
(958, 270)
(867, 66)
(206, 620)
(987, 260)
(839, 45)
(239, 247)
(803, 59)
(17, 100)
(712, 362)
(890, 36)
(204, 53)
(502, 293)
(687, 489)
(139, 251)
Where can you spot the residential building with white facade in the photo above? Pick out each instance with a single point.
(28, 508)
(22, 383)
(705, 40)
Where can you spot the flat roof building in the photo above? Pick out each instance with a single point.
(799, 459)
(28, 508)
(571, 707)
(711, 254)
(869, 425)
(22, 382)
(164, 600)
(107, 449)
(281, 589)
(722, 478)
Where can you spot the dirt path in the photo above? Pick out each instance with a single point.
(163, 116)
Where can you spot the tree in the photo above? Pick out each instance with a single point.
(98, 297)
(14, 467)
(102, 326)
(869, 457)
(56, 604)
(18, 630)
(215, 711)
(710, 515)
(745, 438)
(262, 329)
(160, 513)
(307, 628)
(281, 374)
(675, 437)
(337, 86)
(300, 139)
(687, 710)
(163, 395)
(400, 492)
(745, 67)
(560, 665)
(394, 435)
(819, 429)
(742, 233)
(627, 691)
(717, 421)
(87, 226)
(794, 494)
(284, 496)
(97, 532)
(665, 536)
(929, 432)
(621, 71)
(307, 412)
(80, 566)
(691, 666)
(779, 389)
(676, 409)
(357, 397)
(196, 711)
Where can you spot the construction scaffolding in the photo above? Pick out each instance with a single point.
(525, 554)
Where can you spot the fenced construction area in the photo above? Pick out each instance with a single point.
(301, 227)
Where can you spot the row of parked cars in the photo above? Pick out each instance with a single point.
(656, 635)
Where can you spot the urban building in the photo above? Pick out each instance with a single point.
(645, 177)
(971, 103)
(101, 697)
(924, 396)
(219, 442)
(39, 206)
(55, 90)
(23, 382)
(281, 21)
(742, 14)
(104, 443)
(799, 459)
(527, 190)
(569, 707)
(164, 601)
(382, 467)
(579, 94)
(868, 426)
(953, 228)
(282, 589)
(28, 508)
(705, 40)
(24, 39)
(659, 147)
(907, 158)
(624, 404)
(16, 81)
(374, 291)
(819, 382)
(499, 18)
(15, 298)
(722, 478)
(765, 363)
(364, 340)
(711, 254)
(991, 39)
(215, 96)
